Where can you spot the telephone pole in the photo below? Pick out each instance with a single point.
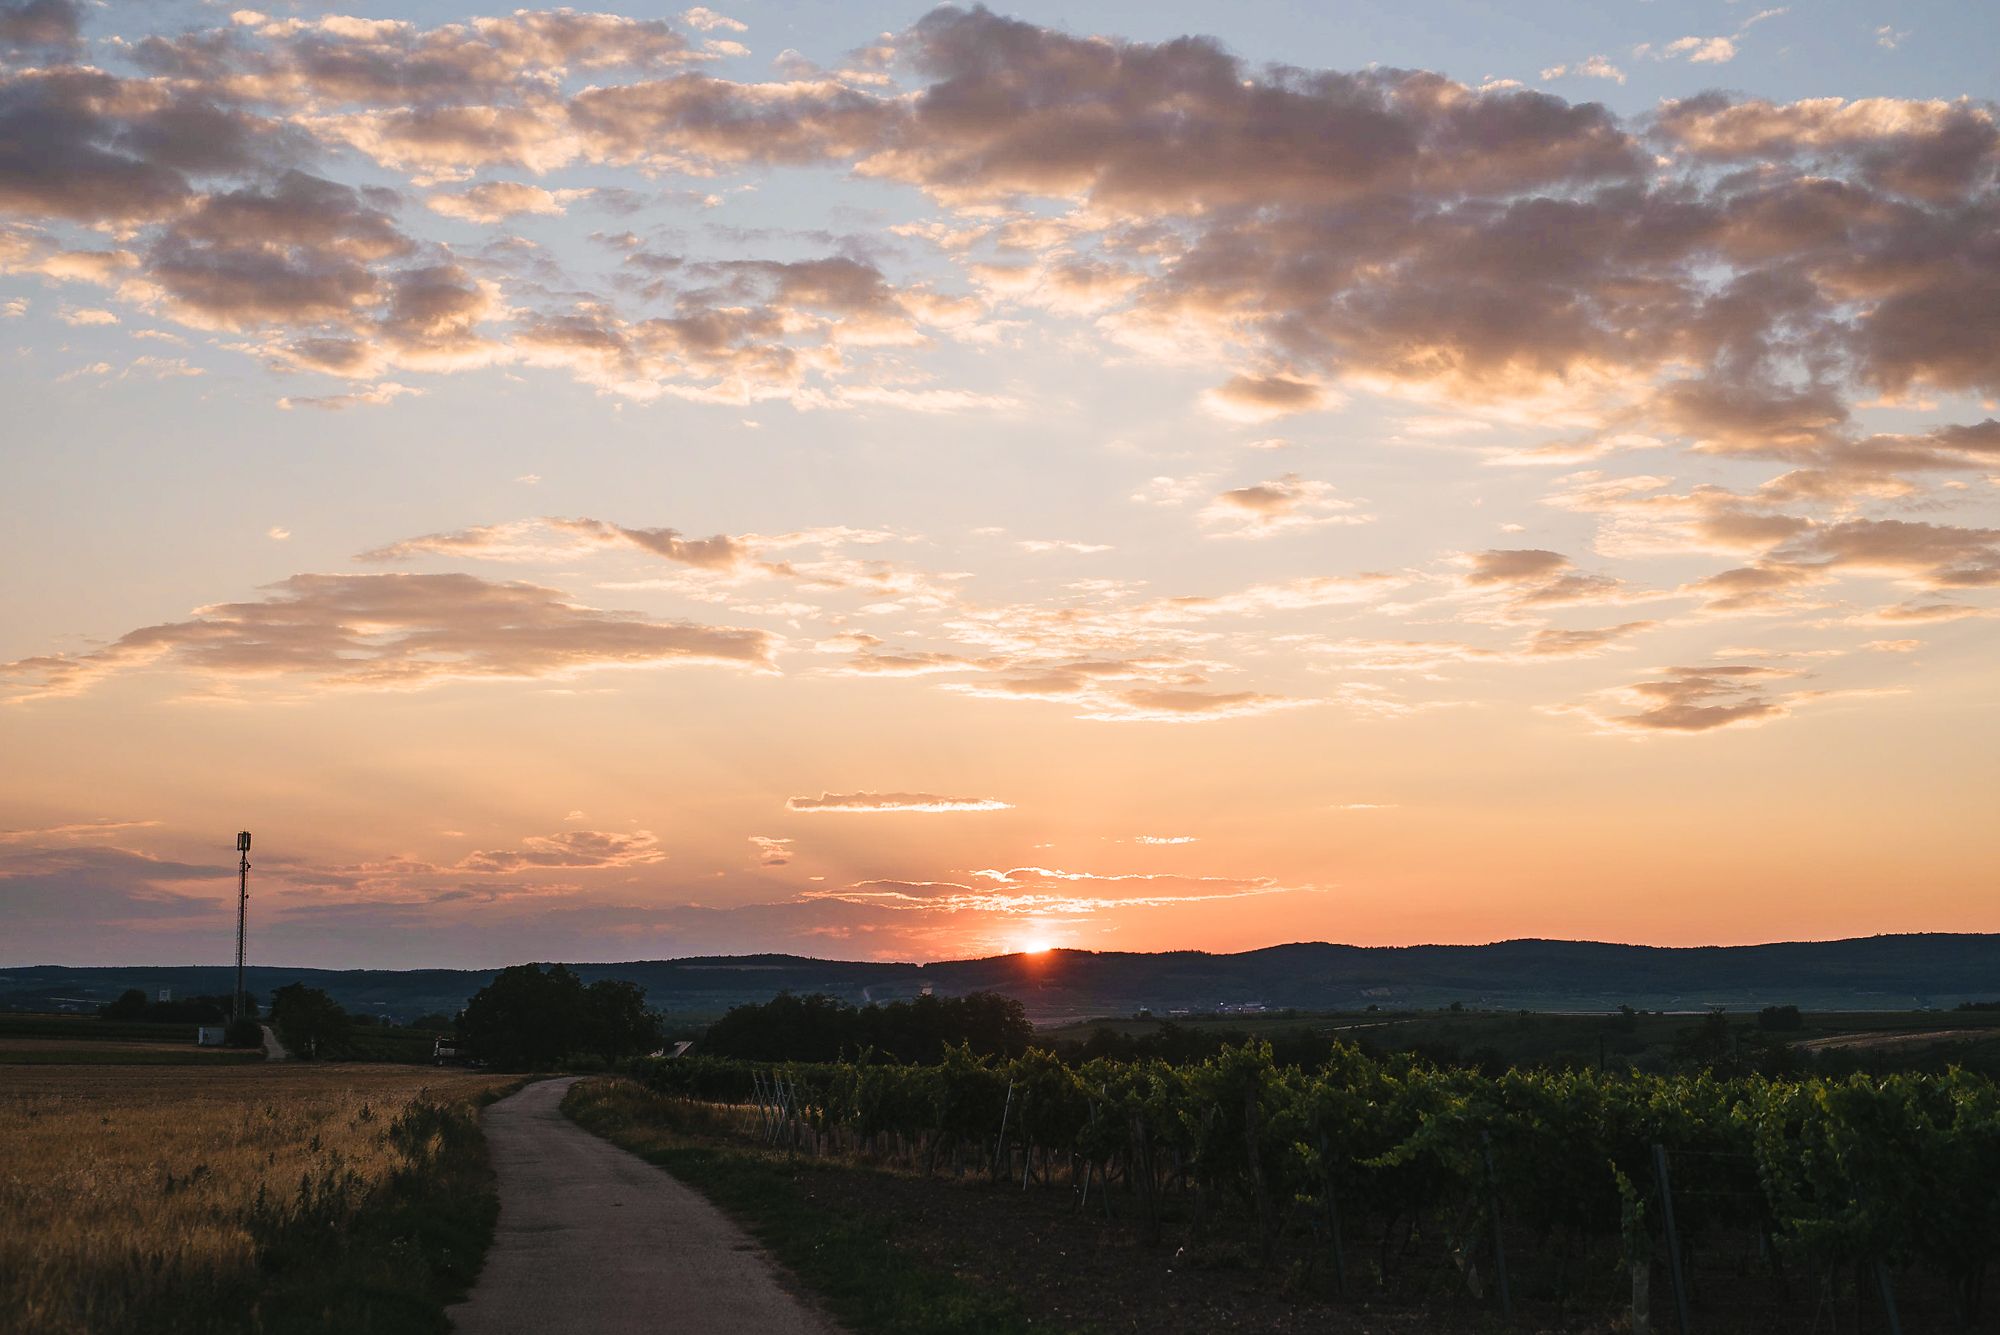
(236, 1008)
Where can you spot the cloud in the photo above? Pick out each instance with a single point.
(1146, 704)
(859, 803)
(393, 631)
(74, 830)
(114, 888)
(373, 397)
(553, 538)
(1702, 699)
(1697, 50)
(575, 850)
(1940, 556)
(1533, 578)
(55, 24)
(1062, 545)
(1385, 229)
(497, 201)
(770, 851)
(1247, 398)
(1596, 67)
(1039, 891)
(1277, 506)
(707, 20)
(1550, 642)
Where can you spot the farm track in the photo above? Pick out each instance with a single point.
(594, 1240)
(1895, 1038)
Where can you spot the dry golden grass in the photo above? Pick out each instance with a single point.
(127, 1187)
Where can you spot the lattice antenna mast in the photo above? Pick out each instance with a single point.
(242, 918)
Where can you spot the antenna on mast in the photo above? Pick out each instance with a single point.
(237, 1007)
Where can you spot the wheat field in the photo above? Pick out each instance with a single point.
(130, 1195)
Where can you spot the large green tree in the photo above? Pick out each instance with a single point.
(531, 1017)
(309, 1022)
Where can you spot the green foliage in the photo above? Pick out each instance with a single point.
(531, 1018)
(336, 1258)
(309, 1022)
(820, 1028)
(1839, 1172)
(1780, 1018)
(132, 1004)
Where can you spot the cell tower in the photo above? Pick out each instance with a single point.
(242, 918)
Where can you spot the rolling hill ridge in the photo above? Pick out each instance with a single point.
(1866, 973)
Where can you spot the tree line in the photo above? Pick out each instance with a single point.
(819, 1028)
(532, 1018)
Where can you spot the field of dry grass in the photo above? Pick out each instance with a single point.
(147, 1198)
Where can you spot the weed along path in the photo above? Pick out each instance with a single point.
(596, 1241)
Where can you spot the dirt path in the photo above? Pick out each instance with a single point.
(1894, 1038)
(596, 1241)
(274, 1051)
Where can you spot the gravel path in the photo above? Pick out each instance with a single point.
(596, 1241)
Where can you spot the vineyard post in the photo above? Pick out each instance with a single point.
(1673, 1235)
(1499, 1245)
(1148, 1181)
(1000, 1146)
(1027, 1145)
(1332, 1216)
(1888, 1288)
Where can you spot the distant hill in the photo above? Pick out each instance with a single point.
(1869, 973)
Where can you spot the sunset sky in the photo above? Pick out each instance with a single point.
(876, 483)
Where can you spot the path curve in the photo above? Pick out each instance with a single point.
(594, 1240)
(274, 1051)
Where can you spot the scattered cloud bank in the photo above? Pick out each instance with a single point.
(392, 631)
(1736, 285)
(1382, 229)
(867, 803)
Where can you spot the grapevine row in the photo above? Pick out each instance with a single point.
(1862, 1172)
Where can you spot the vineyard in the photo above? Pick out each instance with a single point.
(1686, 1201)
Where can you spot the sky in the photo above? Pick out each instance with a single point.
(885, 483)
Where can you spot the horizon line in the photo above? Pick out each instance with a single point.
(1022, 954)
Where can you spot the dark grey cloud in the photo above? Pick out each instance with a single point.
(396, 630)
(46, 24)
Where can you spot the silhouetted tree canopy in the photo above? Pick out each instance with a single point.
(1780, 1017)
(818, 1028)
(307, 1019)
(531, 1018)
(133, 1004)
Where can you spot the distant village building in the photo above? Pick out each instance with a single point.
(209, 1035)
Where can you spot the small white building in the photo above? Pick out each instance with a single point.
(210, 1036)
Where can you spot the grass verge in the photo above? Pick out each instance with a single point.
(850, 1256)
